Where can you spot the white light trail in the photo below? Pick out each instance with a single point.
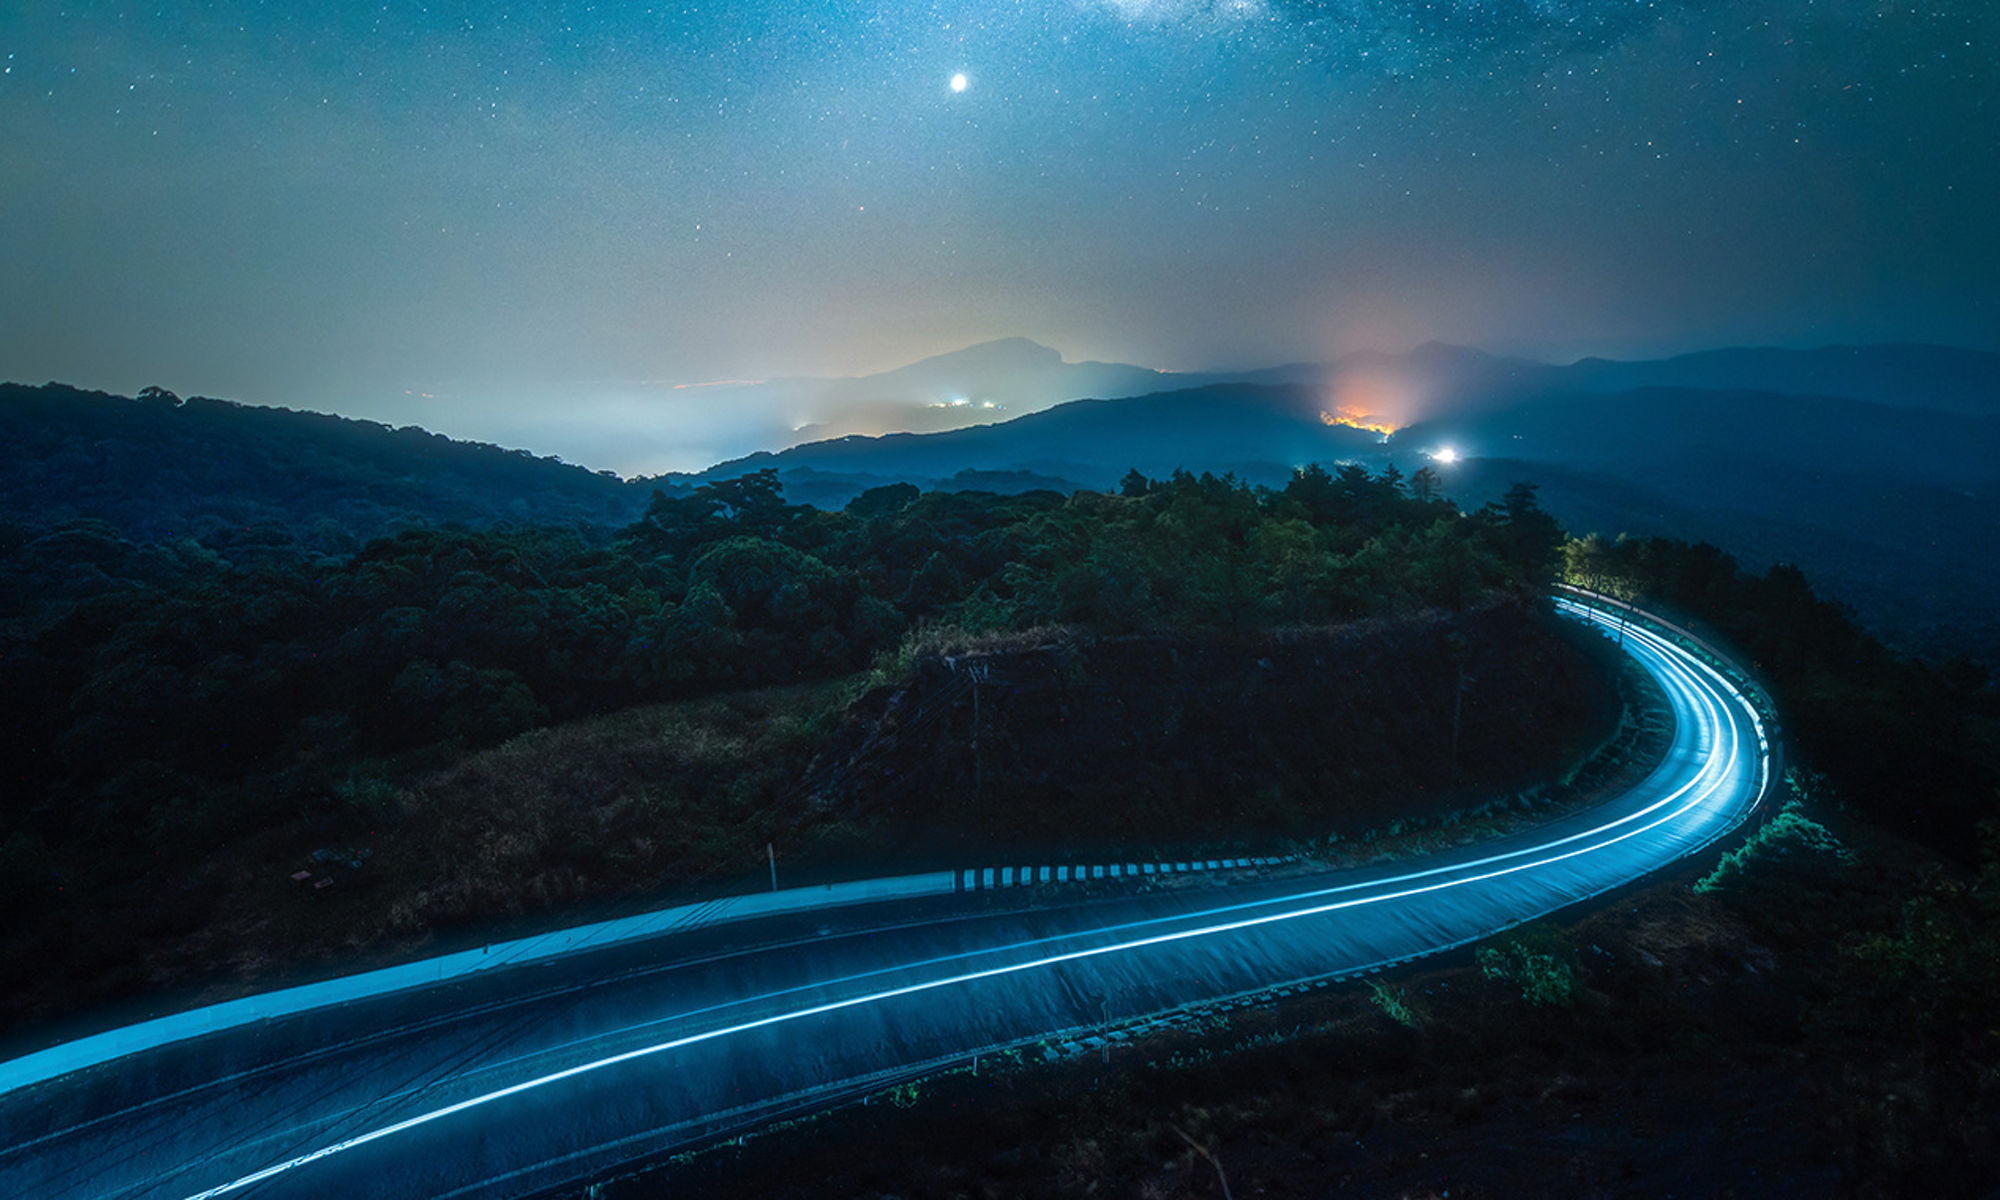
(1715, 773)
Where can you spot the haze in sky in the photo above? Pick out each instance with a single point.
(464, 215)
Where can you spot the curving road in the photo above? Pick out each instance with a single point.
(609, 1049)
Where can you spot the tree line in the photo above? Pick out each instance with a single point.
(180, 698)
(1909, 743)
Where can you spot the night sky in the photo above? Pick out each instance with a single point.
(417, 212)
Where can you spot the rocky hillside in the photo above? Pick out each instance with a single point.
(1176, 740)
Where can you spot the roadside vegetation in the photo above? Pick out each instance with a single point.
(204, 733)
(1790, 833)
(1908, 743)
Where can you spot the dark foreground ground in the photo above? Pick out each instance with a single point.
(1809, 1030)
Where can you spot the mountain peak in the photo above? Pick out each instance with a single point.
(1433, 352)
(1000, 354)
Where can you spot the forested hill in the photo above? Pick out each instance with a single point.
(157, 468)
(172, 738)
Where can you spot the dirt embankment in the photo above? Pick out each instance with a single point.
(1175, 740)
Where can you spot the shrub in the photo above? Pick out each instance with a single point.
(1790, 834)
(1537, 960)
(1393, 1004)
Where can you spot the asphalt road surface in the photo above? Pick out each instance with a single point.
(599, 1051)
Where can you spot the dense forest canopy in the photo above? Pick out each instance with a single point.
(257, 481)
(163, 698)
(203, 674)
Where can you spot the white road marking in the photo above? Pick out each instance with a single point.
(1715, 770)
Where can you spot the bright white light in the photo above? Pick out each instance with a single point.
(958, 82)
(1447, 455)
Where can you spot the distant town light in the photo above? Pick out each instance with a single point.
(1445, 455)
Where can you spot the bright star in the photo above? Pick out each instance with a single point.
(958, 82)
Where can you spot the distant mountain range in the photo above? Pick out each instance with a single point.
(992, 381)
(1876, 468)
(1257, 430)
(999, 380)
(1806, 407)
(1434, 385)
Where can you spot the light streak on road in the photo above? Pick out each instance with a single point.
(1702, 787)
(1716, 774)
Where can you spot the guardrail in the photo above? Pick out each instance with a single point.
(1763, 708)
(979, 879)
(96, 1049)
(1706, 650)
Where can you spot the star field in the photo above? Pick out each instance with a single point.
(331, 205)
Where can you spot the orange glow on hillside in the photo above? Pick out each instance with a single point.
(1372, 398)
(1357, 419)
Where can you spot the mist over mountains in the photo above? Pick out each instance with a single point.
(646, 427)
(1875, 468)
(979, 384)
(1436, 388)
